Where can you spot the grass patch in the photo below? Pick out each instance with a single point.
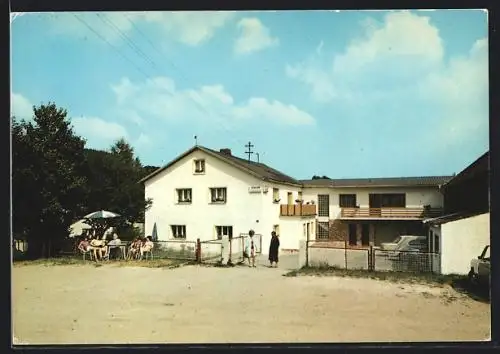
(62, 261)
(459, 283)
(394, 277)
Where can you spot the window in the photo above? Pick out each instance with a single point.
(224, 231)
(322, 230)
(323, 205)
(199, 166)
(276, 195)
(299, 197)
(436, 243)
(393, 200)
(218, 195)
(178, 231)
(184, 195)
(347, 200)
(289, 196)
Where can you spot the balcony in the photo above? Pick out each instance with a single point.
(297, 210)
(390, 213)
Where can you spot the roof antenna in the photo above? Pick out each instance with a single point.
(249, 151)
(195, 140)
(258, 160)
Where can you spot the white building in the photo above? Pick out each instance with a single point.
(205, 194)
(464, 230)
(367, 212)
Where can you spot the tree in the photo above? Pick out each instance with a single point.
(319, 177)
(114, 182)
(48, 178)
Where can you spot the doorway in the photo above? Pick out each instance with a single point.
(365, 234)
(352, 234)
(290, 198)
(375, 203)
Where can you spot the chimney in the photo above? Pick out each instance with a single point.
(226, 151)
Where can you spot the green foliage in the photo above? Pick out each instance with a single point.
(114, 180)
(56, 181)
(48, 179)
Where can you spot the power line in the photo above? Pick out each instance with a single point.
(112, 46)
(130, 43)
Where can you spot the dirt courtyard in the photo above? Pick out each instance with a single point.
(84, 304)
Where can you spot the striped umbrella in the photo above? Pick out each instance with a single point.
(101, 214)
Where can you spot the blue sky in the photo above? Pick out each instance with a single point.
(337, 93)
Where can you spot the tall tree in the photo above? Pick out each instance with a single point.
(113, 180)
(48, 179)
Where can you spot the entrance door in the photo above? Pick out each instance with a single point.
(352, 234)
(375, 203)
(365, 234)
(290, 198)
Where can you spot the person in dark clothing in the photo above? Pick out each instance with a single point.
(273, 249)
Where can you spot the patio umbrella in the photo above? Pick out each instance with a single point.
(101, 214)
(154, 235)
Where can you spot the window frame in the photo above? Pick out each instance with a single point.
(180, 191)
(214, 200)
(344, 196)
(202, 169)
(222, 228)
(175, 234)
(320, 205)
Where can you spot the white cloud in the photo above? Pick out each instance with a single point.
(399, 64)
(97, 130)
(253, 37)
(20, 106)
(210, 104)
(187, 27)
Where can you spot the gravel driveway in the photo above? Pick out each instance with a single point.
(195, 304)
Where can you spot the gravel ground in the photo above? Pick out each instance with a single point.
(194, 304)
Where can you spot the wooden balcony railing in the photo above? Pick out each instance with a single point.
(297, 209)
(391, 213)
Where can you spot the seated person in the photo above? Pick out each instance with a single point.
(114, 245)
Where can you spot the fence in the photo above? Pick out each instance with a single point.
(319, 254)
(370, 258)
(210, 251)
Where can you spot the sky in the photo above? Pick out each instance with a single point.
(346, 94)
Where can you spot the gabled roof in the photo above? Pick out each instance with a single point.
(253, 168)
(424, 181)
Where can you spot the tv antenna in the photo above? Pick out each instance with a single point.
(249, 146)
(195, 140)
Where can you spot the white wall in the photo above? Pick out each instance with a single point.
(243, 210)
(415, 197)
(463, 240)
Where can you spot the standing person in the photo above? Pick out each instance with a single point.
(250, 249)
(274, 248)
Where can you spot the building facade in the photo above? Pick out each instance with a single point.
(206, 194)
(367, 212)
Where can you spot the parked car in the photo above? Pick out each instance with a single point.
(480, 268)
(412, 243)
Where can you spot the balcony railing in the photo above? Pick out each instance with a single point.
(391, 213)
(297, 210)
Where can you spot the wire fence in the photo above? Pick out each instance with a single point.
(230, 250)
(370, 258)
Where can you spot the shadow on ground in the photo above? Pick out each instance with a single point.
(474, 291)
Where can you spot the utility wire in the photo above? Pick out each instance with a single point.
(112, 46)
(130, 43)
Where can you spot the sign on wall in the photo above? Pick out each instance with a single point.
(254, 189)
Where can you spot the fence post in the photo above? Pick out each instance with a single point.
(198, 250)
(371, 258)
(345, 253)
